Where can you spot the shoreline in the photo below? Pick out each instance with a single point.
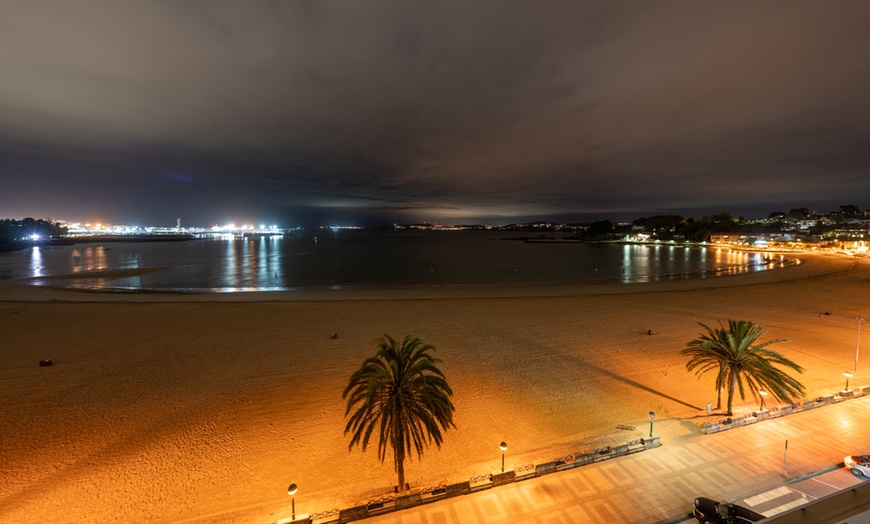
(17, 290)
(99, 281)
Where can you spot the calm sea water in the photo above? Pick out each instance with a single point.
(348, 258)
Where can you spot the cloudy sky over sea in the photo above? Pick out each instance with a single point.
(336, 112)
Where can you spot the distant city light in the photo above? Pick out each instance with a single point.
(78, 229)
(336, 228)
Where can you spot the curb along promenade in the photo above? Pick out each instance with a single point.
(778, 411)
(393, 502)
(654, 487)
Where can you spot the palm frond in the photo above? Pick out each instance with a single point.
(401, 397)
(743, 364)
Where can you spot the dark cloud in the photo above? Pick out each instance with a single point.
(295, 112)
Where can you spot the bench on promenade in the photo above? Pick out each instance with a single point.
(500, 479)
(352, 514)
(460, 488)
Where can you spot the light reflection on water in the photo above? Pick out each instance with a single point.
(88, 258)
(656, 262)
(36, 261)
(338, 260)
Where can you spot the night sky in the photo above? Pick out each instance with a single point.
(374, 112)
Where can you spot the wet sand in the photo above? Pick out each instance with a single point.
(204, 408)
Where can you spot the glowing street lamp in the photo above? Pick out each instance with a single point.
(848, 376)
(858, 341)
(652, 416)
(763, 394)
(292, 492)
(503, 447)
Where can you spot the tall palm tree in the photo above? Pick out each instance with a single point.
(741, 363)
(400, 392)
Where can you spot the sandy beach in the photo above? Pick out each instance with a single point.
(204, 408)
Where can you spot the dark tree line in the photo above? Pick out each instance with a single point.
(667, 227)
(14, 232)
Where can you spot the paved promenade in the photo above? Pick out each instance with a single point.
(658, 485)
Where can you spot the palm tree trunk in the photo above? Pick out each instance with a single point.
(399, 450)
(400, 469)
(731, 389)
(719, 399)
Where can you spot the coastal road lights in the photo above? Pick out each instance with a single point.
(848, 376)
(652, 416)
(503, 448)
(292, 492)
(762, 394)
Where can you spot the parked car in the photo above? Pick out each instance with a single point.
(859, 465)
(708, 511)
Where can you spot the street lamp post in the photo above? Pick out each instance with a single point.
(858, 341)
(652, 416)
(848, 376)
(292, 492)
(763, 394)
(503, 448)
